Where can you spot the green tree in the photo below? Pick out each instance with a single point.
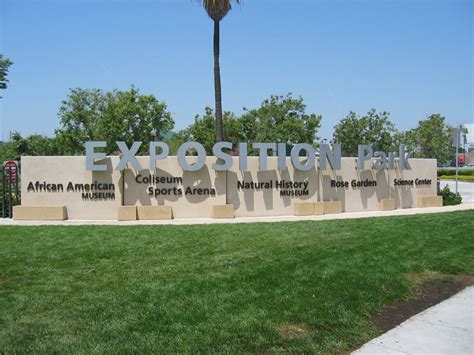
(8, 152)
(407, 138)
(78, 116)
(34, 145)
(281, 119)
(203, 128)
(373, 129)
(92, 115)
(5, 64)
(176, 139)
(217, 10)
(435, 138)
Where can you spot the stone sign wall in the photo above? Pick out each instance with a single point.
(64, 182)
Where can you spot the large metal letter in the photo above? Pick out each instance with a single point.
(365, 153)
(391, 160)
(403, 157)
(381, 163)
(165, 151)
(243, 152)
(263, 153)
(282, 157)
(334, 156)
(201, 156)
(227, 158)
(129, 156)
(91, 156)
(310, 154)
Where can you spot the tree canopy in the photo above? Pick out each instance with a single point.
(92, 115)
(32, 145)
(5, 64)
(203, 128)
(279, 119)
(375, 129)
(435, 138)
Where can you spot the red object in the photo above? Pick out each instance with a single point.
(11, 169)
(461, 159)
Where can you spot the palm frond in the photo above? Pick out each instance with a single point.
(218, 9)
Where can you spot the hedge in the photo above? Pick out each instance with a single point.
(447, 172)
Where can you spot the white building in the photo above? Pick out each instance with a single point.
(469, 137)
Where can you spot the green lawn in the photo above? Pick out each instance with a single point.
(303, 286)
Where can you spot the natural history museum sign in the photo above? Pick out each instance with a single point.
(191, 184)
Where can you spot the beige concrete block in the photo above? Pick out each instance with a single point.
(387, 204)
(319, 208)
(303, 209)
(151, 213)
(223, 211)
(435, 201)
(332, 207)
(127, 213)
(50, 213)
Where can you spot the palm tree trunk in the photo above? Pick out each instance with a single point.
(217, 83)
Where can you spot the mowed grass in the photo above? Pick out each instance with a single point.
(278, 287)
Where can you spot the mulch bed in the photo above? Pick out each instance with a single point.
(426, 296)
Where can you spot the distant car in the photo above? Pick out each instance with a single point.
(469, 165)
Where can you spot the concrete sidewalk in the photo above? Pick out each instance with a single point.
(192, 221)
(447, 328)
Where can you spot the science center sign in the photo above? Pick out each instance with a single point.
(193, 185)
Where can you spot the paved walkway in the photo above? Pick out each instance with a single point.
(447, 328)
(466, 189)
(189, 221)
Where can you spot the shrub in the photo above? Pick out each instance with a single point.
(450, 198)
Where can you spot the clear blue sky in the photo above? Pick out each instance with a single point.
(409, 57)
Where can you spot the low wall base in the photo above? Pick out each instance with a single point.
(51, 213)
(303, 209)
(150, 213)
(436, 201)
(223, 211)
(387, 204)
(127, 213)
(333, 207)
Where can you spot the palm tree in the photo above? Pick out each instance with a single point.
(217, 10)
